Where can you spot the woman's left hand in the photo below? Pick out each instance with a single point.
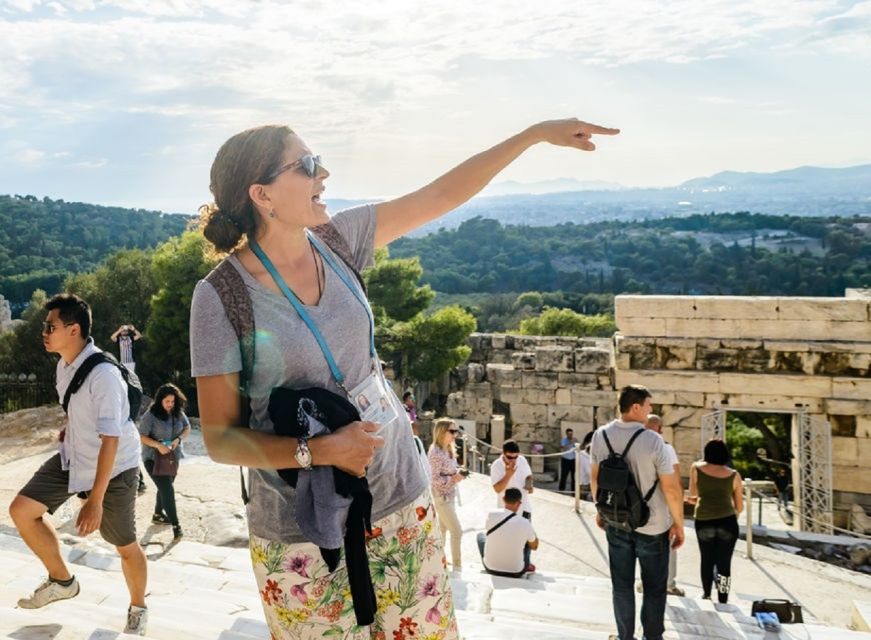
(174, 444)
(570, 133)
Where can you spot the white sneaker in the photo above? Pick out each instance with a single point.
(49, 592)
(137, 619)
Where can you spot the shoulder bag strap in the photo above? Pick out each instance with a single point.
(81, 373)
(500, 523)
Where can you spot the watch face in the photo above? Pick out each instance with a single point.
(303, 455)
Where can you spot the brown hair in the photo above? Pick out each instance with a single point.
(245, 159)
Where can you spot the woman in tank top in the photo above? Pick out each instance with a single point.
(268, 191)
(716, 490)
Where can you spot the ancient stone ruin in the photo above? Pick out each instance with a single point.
(702, 357)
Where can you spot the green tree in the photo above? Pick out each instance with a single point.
(119, 292)
(177, 265)
(565, 322)
(431, 346)
(530, 299)
(392, 288)
(21, 350)
(420, 347)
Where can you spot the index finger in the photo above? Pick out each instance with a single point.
(595, 128)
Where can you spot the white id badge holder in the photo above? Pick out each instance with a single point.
(373, 401)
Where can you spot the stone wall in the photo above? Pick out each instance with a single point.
(697, 353)
(542, 386)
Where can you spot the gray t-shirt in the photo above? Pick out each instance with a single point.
(648, 458)
(287, 355)
(158, 429)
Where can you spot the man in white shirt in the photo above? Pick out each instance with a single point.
(98, 459)
(654, 423)
(502, 546)
(512, 470)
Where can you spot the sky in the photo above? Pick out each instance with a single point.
(125, 102)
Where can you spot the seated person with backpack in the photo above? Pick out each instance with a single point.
(507, 534)
(639, 500)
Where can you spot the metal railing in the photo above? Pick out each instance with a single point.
(23, 391)
(752, 487)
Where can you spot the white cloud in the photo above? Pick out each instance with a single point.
(31, 156)
(374, 74)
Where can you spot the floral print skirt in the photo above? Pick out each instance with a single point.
(302, 599)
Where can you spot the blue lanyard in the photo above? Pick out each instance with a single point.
(303, 314)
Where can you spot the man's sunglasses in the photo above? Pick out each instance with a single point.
(48, 328)
(514, 457)
(308, 165)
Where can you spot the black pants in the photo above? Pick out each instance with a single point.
(717, 540)
(165, 501)
(566, 469)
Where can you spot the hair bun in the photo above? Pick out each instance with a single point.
(219, 228)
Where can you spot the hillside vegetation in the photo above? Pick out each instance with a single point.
(43, 241)
(718, 254)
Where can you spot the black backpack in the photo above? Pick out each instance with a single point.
(618, 498)
(134, 387)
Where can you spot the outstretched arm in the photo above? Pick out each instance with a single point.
(398, 217)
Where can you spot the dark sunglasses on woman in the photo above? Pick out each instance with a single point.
(307, 165)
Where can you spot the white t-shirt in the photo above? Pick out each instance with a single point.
(503, 549)
(518, 481)
(673, 460)
(586, 468)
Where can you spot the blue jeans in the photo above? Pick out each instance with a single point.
(652, 554)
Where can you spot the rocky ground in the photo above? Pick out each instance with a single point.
(208, 495)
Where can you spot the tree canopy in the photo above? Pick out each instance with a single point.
(43, 241)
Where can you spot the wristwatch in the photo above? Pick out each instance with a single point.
(303, 454)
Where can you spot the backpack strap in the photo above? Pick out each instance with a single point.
(329, 233)
(231, 289)
(81, 373)
(635, 435)
(608, 442)
(500, 523)
(631, 441)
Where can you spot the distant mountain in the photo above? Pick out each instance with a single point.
(804, 179)
(805, 191)
(556, 185)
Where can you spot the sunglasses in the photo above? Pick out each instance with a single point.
(514, 457)
(453, 432)
(48, 328)
(307, 165)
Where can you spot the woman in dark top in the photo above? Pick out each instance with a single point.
(162, 430)
(716, 490)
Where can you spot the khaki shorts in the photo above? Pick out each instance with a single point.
(49, 486)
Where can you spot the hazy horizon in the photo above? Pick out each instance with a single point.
(125, 102)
